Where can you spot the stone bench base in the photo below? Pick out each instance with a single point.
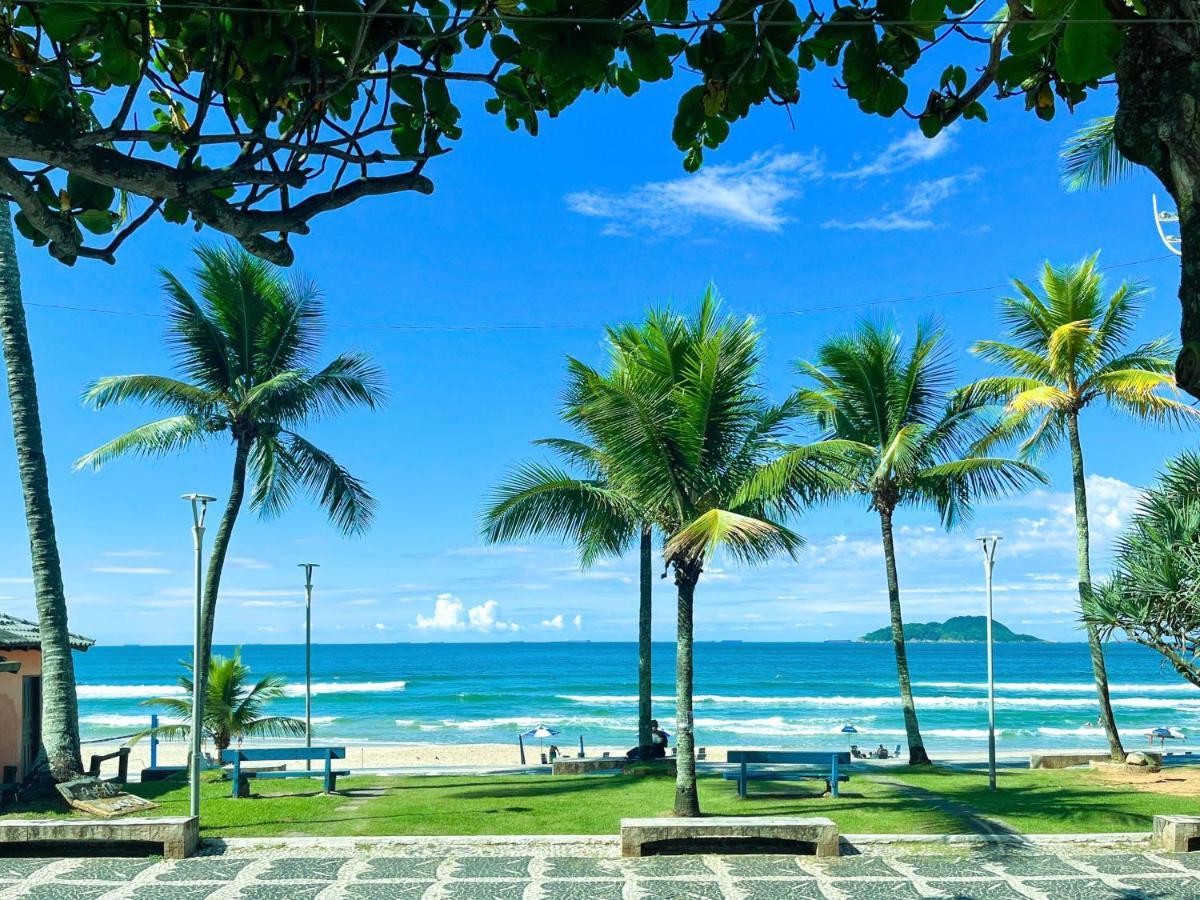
(179, 836)
(1058, 760)
(590, 764)
(729, 834)
(1177, 834)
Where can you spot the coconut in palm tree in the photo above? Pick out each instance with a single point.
(235, 706)
(1069, 348)
(910, 443)
(246, 345)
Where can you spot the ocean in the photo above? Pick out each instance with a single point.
(797, 695)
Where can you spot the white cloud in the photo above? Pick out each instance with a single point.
(379, 626)
(554, 624)
(904, 153)
(245, 562)
(269, 604)
(749, 194)
(448, 616)
(578, 621)
(16, 581)
(131, 570)
(916, 214)
(133, 554)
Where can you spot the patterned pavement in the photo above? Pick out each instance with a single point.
(583, 873)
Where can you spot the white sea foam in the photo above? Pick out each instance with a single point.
(126, 691)
(106, 721)
(146, 691)
(1052, 687)
(347, 687)
(888, 702)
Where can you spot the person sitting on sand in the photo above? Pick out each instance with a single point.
(881, 752)
(656, 749)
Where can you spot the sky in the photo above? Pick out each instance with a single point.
(472, 298)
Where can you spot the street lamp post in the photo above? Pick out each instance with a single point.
(989, 544)
(199, 510)
(308, 570)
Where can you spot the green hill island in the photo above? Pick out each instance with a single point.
(959, 629)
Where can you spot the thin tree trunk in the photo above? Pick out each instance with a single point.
(916, 746)
(216, 561)
(1084, 568)
(60, 709)
(1158, 126)
(645, 615)
(687, 800)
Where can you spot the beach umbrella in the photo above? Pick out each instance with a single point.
(849, 729)
(541, 733)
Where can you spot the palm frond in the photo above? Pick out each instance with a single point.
(1090, 158)
(344, 498)
(152, 439)
(157, 390)
(746, 538)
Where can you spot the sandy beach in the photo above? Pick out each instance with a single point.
(421, 755)
(377, 756)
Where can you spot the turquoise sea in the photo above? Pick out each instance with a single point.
(747, 694)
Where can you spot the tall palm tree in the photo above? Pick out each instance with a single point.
(234, 706)
(1068, 349)
(588, 510)
(913, 447)
(687, 428)
(60, 709)
(247, 349)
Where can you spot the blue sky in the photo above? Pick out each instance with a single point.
(471, 299)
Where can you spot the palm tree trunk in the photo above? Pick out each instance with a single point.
(60, 710)
(687, 800)
(216, 562)
(916, 746)
(1084, 564)
(645, 614)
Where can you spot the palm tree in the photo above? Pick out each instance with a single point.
(234, 707)
(247, 350)
(1068, 349)
(1151, 597)
(60, 709)
(913, 447)
(686, 429)
(541, 499)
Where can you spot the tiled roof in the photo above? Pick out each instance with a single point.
(20, 634)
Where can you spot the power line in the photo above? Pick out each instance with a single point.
(517, 18)
(466, 328)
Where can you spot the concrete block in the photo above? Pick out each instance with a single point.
(1177, 834)
(815, 836)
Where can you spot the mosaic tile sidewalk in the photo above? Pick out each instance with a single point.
(563, 874)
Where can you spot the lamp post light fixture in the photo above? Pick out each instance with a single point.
(199, 510)
(989, 544)
(308, 571)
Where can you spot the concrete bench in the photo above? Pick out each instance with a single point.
(1060, 759)
(1177, 834)
(179, 836)
(730, 834)
(563, 766)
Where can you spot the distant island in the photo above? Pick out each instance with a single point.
(959, 629)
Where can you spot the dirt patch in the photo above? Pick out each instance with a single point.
(1180, 781)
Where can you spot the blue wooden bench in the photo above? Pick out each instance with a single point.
(819, 765)
(326, 755)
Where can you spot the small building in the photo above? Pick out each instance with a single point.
(21, 692)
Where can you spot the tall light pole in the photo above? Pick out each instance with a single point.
(308, 569)
(989, 543)
(199, 510)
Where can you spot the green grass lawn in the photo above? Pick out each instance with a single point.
(939, 800)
